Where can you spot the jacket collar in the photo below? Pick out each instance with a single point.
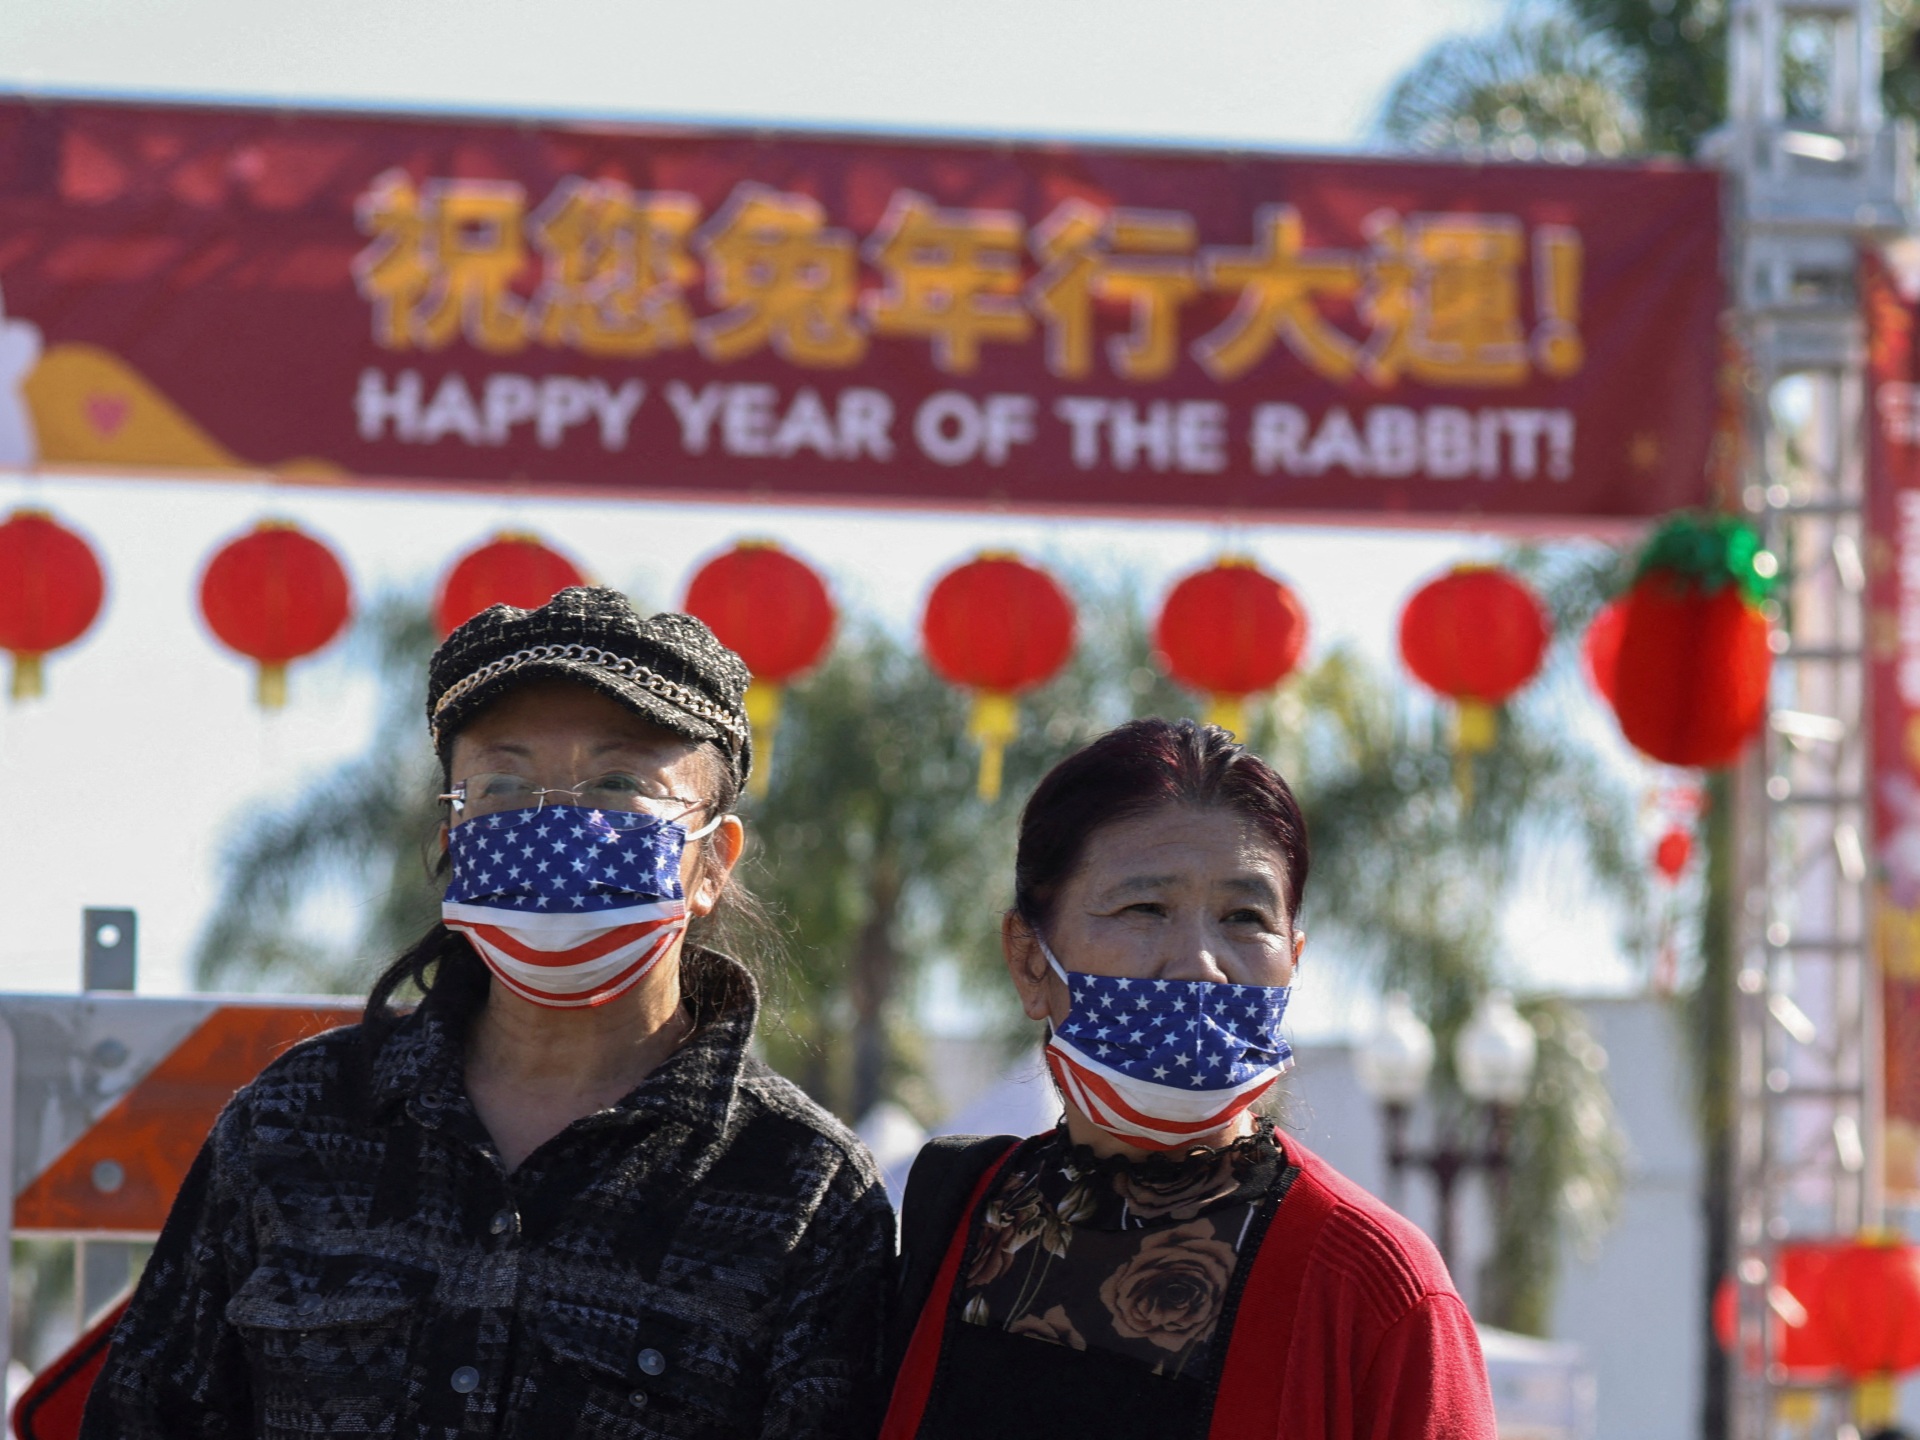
(692, 1095)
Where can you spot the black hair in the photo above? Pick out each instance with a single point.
(1135, 768)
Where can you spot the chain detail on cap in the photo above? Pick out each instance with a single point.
(674, 693)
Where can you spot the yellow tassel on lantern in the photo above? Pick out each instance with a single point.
(763, 713)
(1229, 712)
(270, 687)
(1476, 728)
(1876, 1403)
(994, 723)
(1797, 1409)
(29, 675)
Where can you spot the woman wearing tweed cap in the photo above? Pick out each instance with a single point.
(559, 1197)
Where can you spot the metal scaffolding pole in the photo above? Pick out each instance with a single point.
(1814, 171)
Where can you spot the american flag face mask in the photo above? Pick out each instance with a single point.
(1163, 1063)
(568, 906)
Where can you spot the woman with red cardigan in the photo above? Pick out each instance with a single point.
(1164, 1264)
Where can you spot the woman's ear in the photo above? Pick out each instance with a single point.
(1026, 965)
(724, 847)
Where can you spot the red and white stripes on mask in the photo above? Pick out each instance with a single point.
(1161, 1064)
(569, 907)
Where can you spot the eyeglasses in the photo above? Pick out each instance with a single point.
(617, 792)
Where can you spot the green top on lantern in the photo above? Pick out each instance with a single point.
(1712, 551)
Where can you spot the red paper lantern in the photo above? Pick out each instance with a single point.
(510, 569)
(1230, 631)
(1869, 1308)
(1670, 856)
(50, 593)
(997, 626)
(1601, 648)
(1690, 686)
(1801, 1341)
(1475, 635)
(275, 595)
(775, 613)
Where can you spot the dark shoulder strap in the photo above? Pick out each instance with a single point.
(934, 1206)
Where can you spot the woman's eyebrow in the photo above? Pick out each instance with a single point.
(1252, 885)
(634, 745)
(1139, 885)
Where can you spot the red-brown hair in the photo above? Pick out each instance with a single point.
(1135, 768)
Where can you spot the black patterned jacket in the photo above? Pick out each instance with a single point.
(709, 1257)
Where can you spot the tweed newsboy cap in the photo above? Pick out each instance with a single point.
(668, 668)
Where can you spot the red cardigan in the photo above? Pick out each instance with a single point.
(1348, 1328)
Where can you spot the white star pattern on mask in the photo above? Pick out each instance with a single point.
(593, 864)
(1228, 1036)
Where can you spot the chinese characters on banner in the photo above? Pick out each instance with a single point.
(1893, 596)
(952, 324)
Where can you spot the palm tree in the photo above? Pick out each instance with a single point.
(1540, 84)
(1613, 77)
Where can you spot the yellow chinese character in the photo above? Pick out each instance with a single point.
(781, 278)
(1386, 302)
(951, 275)
(443, 262)
(1152, 288)
(1279, 281)
(1087, 254)
(1067, 245)
(392, 272)
(1443, 300)
(616, 268)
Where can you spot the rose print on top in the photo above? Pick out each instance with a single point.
(1133, 1258)
(1054, 1326)
(1178, 1194)
(1171, 1293)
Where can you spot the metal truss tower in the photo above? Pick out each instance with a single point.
(1814, 170)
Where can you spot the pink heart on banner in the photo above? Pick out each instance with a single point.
(107, 413)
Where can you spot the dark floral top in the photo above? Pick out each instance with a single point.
(1136, 1258)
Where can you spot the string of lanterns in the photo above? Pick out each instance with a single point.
(1682, 658)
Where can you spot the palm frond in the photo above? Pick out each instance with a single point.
(1541, 83)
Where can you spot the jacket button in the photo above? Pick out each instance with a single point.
(466, 1380)
(309, 1304)
(501, 1223)
(639, 1399)
(652, 1362)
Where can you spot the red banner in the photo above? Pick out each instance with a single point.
(1893, 597)
(713, 315)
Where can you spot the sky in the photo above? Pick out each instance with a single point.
(1261, 72)
(125, 784)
